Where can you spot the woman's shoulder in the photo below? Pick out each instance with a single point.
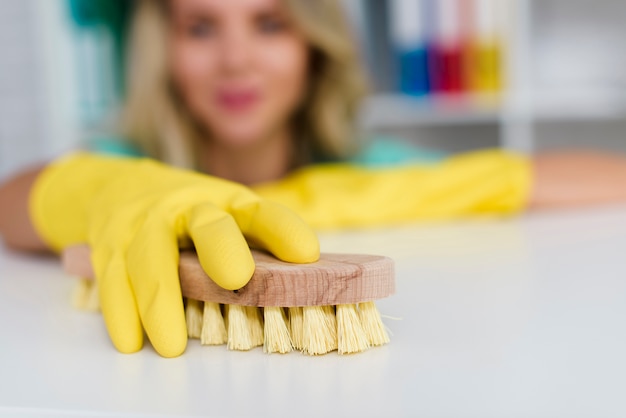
(392, 151)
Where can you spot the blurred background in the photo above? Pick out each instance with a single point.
(450, 75)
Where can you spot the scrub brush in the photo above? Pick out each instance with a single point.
(315, 308)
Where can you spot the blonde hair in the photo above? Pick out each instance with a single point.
(156, 121)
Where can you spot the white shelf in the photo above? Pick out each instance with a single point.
(583, 104)
(397, 110)
(542, 82)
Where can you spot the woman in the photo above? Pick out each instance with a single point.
(248, 92)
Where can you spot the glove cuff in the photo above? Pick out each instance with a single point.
(63, 191)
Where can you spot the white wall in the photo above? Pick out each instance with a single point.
(37, 111)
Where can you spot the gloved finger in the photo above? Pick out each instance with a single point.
(278, 230)
(152, 261)
(118, 306)
(222, 249)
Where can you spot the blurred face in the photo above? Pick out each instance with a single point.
(239, 65)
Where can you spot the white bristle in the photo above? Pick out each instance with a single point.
(86, 296)
(213, 328)
(372, 324)
(320, 329)
(193, 316)
(255, 322)
(296, 325)
(350, 334)
(238, 329)
(276, 332)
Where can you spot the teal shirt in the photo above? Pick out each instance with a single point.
(382, 151)
(390, 151)
(112, 146)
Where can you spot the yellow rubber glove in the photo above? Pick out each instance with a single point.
(343, 195)
(135, 214)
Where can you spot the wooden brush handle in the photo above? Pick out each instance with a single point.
(334, 279)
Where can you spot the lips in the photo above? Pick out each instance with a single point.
(237, 100)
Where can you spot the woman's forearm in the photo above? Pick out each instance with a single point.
(564, 179)
(16, 228)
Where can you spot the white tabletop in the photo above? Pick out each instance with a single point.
(498, 318)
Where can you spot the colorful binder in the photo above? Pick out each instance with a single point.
(409, 38)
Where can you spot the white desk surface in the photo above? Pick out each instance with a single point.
(515, 318)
